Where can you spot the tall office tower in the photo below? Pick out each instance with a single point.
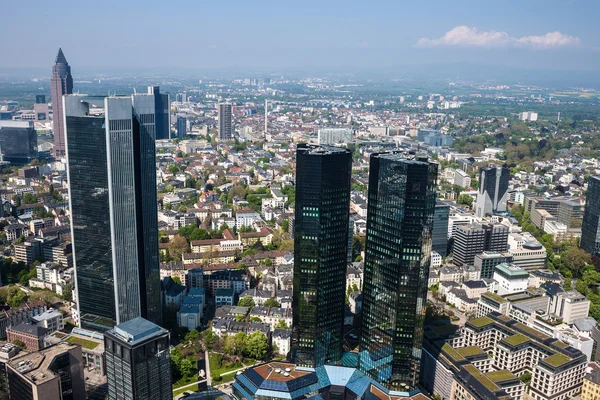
(55, 372)
(162, 113)
(18, 141)
(181, 127)
(470, 240)
(266, 115)
(225, 129)
(590, 228)
(138, 363)
(401, 207)
(112, 192)
(439, 240)
(323, 177)
(61, 83)
(493, 190)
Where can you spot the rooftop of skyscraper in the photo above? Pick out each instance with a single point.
(137, 330)
(35, 367)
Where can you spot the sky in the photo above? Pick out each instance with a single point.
(278, 35)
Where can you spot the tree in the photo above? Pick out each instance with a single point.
(464, 199)
(525, 378)
(18, 298)
(281, 324)
(257, 346)
(178, 245)
(186, 367)
(174, 169)
(192, 335)
(68, 292)
(576, 258)
(29, 198)
(19, 343)
(271, 303)
(176, 279)
(237, 191)
(246, 301)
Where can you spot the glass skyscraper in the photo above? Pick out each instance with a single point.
(323, 177)
(590, 228)
(112, 191)
(401, 204)
(18, 142)
(138, 361)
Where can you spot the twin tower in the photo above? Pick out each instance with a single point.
(401, 203)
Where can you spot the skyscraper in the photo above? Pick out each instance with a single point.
(18, 141)
(493, 190)
(61, 83)
(138, 361)
(590, 227)
(181, 127)
(162, 113)
(320, 252)
(112, 190)
(225, 129)
(440, 228)
(401, 206)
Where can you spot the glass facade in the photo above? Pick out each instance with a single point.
(590, 228)
(125, 276)
(323, 177)
(401, 207)
(138, 369)
(90, 227)
(440, 229)
(18, 141)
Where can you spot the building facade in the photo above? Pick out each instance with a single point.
(162, 113)
(112, 192)
(323, 176)
(138, 362)
(493, 190)
(18, 142)
(440, 228)
(61, 83)
(397, 260)
(590, 232)
(225, 123)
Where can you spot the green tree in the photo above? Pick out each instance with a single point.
(464, 199)
(271, 303)
(281, 324)
(257, 346)
(29, 198)
(192, 335)
(68, 292)
(19, 343)
(246, 301)
(178, 245)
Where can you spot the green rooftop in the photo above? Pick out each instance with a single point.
(500, 376)
(557, 360)
(531, 332)
(516, 340)
(495, 297)
(86, 344)
(485, 381)
(470, 351)
(479, 322)
(451, 351)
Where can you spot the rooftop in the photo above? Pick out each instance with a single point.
(137, 329)
(557, 360)
(479, 322)
(516, 340)
(279, 372)
(500, 376)
(35, 366)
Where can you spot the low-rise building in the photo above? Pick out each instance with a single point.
(224, 297)
(51, 320)
(510, 278)
(30, 334)
(281, 339)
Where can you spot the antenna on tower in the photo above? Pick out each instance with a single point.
(134, 91)
(558, 118)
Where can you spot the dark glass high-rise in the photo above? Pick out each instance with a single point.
(61, 83)
(590, 232)
(112, 190)
(323, 176)
(401, 204)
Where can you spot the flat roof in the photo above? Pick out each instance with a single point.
(35, 366)
(137, 329)
(269, 371)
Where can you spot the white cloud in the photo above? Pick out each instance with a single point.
(551, 39)
(472, 37)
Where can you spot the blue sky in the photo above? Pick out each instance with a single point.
(201, 34)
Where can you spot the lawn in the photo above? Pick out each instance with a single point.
(86, 344)
(216, 370)
(188, 389)
(186, 380)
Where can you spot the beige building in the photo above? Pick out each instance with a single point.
(42, 373)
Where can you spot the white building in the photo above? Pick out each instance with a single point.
(282, 339)
(436, 259)
(51, 320)
(510, 278)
